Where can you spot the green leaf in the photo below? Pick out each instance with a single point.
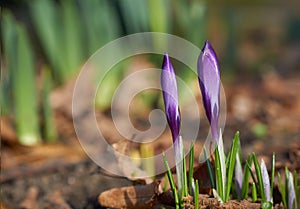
(159, 13)
(210, 169)
(254, 192)
(296, 189)
(246, 177)
(196, 196)
(259, 178)
(109, 85)
(253, 177)
(49, 128)
(72, 36)
(9, 36)
(282, 190)
(266, 205)
(135, 15)
(20, 64)
(231, 165)
(185, 184)
(171, 181)
(216, 195)
(272, 174)
(100, 23)
(47, 23)
(191, 168)
(218, 172)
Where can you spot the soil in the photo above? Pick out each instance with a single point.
(60, 175)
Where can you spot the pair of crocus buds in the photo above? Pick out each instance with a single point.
(209, 81)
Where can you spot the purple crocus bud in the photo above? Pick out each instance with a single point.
(266, 180)
(170, 95)
(209, 80)
(238, 176)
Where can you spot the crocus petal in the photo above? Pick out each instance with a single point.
(238, 176)
(266, 180)
(291, 192)
(170, 95)
(209, 80)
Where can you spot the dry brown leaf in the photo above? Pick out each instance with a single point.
(140, 196)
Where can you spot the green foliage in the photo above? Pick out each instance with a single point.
(49, 129)
(259, 177)
(224, 177)
(254, 192)
(196, 196)
(148, 163)
(20, 61)
(218, 171)
(210, 169)
(289, 189)
(231, 164)
(49, 28)
(260, 130)
(246, 177)
(67, 32)
(171, 181)
(191, 169)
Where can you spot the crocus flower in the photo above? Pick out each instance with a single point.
(170, 95)
(266, 180)
(291, 199)
(238, 176)
(209, 80)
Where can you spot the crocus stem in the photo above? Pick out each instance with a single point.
(179, 165)
(222, 164)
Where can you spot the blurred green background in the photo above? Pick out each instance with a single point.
(44, 43)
